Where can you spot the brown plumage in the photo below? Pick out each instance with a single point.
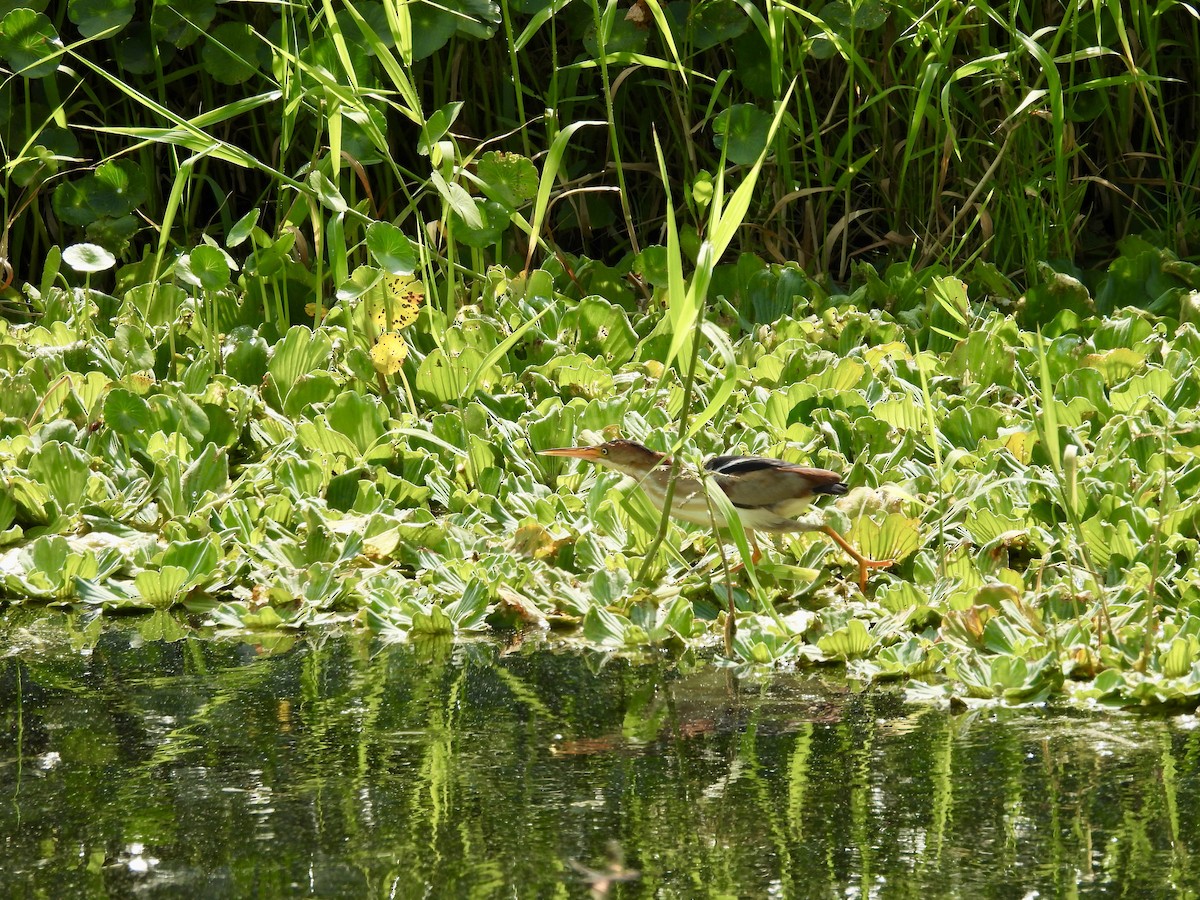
(769, 494)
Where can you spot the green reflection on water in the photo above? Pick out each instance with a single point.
(336, 766)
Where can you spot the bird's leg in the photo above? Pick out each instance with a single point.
(730, 623)
(731, 614)
(863, 563)
(755, 555)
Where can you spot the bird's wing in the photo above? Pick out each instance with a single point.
(823, 481)
(743, 465)
(754, 482)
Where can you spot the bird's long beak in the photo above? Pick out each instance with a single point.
(573, 452)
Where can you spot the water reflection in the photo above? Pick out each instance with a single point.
(335, 766)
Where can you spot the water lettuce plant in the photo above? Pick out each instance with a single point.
(281, 353)
(1035, 487)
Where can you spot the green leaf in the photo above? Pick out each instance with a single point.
(434, 622)
(850, 642)
(128, 415)
(445, 379)
(896, 538)
(309, 391)
(94, 16)
(1056, 292)
(199, 558)
(508, 177)
(64, 471)
(320, 437)
(901, 597)
(623, 37)
(245, 355)
(162, 626)
(32, 497)
(343, 490)
(715, 23)
(651, 265)
(742, 130)
(8, 512)
(242, 228)
(985, 525)
(432, 26)
(604, 330)
(110, 595)
(175, 413)
(458, 200)
(208, 474)
(861, 15)
(914, 657)
(29, 43)
(161, 588)
(71, 203)
(1136, 278)
(603, 627)
(983, 358)
(104, 198)
(577, 370)
(206, 267)
(301, 477)
(392, 250)
(182, 21)
(231, 52)
(843, 377)
(1105, 539)
(1179, 658)
(359, 418)
(900, 413)
(88, 258)
(118, 188)
(48, 555)
(436, 126)
(680, 618)
(966, 426)
(1138, 391)
(469, 610)
(298, 354)
(610, 586)
(494, 219)
(327, 192)
(130, 346)
(775, 292)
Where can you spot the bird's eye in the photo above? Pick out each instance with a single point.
(604, 451)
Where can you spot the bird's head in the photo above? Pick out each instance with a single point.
(626, 457)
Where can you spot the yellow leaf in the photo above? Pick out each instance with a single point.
(1115, 365)
(388, 353)
(535, 540)
(382, 545)
(1020, 444)
(876, 356)
(403, 295)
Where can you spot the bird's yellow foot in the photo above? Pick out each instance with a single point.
(863, 563)
(755, 557)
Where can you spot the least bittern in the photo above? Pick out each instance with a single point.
(768, 494)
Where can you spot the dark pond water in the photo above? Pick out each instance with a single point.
(337, 766)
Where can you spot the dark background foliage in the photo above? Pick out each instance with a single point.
(1017, 132)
